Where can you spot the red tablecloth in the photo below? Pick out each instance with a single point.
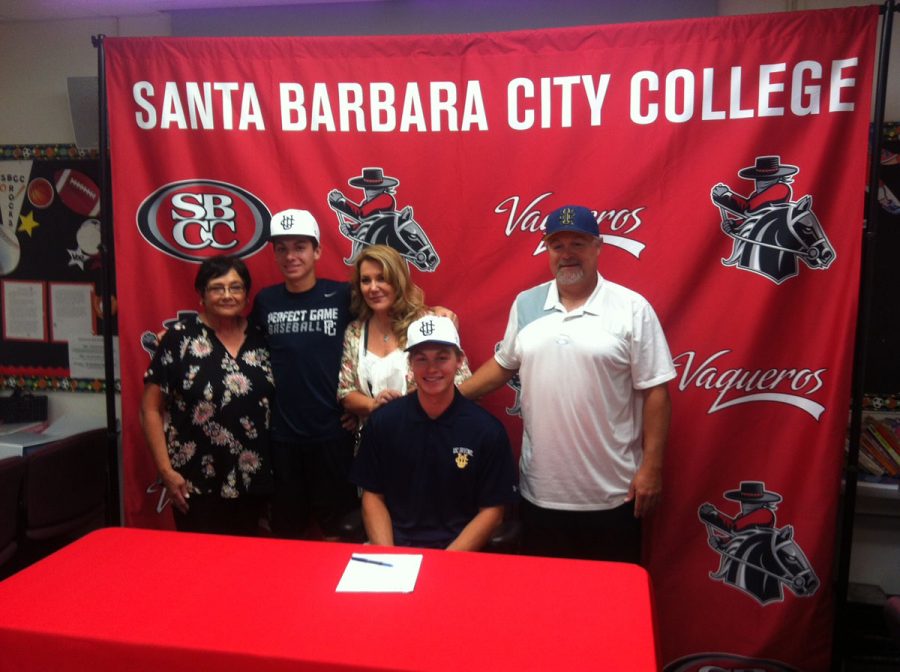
(129, 599)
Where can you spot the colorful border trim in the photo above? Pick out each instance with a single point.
(51, 384)
(889, 401)
(46, 152)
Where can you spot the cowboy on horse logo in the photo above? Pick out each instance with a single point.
(756, 556)
(375, 220)
(770, 230)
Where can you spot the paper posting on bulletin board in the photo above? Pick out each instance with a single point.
(23, 311)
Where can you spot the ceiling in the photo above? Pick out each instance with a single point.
(48, 10)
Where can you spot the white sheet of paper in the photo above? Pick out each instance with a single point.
(380, 573)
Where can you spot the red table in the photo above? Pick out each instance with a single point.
(125, 599)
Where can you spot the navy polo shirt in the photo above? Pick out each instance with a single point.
(435, 475)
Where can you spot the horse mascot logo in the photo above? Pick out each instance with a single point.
(376, 221)
(757, 557)
(771, 232)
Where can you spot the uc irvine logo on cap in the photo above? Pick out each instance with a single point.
(427, 327)
(432, 329)
(294, 222)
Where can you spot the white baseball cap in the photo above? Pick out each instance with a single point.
(431, 329)
(293, 223)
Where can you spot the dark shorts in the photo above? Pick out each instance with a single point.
(311, 488)
(613, 534)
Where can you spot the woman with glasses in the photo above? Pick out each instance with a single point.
(205, 409)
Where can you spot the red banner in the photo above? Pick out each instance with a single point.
(726, 161)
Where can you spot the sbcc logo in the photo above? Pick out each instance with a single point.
(196, 219)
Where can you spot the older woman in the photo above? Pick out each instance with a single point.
(374, 366)
(205, 409)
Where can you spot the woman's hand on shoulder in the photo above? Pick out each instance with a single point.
(384, 397)
(441, 311)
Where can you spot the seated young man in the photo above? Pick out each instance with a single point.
(435, 468)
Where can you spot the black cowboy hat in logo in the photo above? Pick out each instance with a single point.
(753, 491)
(373, 178)
(768, 168)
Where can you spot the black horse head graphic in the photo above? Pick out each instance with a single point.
(376, 221)
(770, 241)
(761, 561)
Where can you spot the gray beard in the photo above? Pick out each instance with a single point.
(569, 275)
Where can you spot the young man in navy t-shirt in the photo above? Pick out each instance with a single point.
(304, 319)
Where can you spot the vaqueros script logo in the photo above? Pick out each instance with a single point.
(375, 220)
(196, 219)
(771, 231)
(734, 386)
(725, 662)
(617, 225)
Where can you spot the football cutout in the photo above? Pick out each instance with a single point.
(40, 193)
(78, 192)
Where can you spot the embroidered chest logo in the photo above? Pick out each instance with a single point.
(462, 456)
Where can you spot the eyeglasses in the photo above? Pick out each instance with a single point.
(219, 290)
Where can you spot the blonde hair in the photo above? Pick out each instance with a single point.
(409, 299)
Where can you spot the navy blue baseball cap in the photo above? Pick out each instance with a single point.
(574, 218)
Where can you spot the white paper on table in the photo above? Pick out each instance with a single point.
(380, 573)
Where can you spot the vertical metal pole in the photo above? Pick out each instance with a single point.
(108, 284)
(866, 290)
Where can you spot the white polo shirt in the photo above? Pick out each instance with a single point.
(580, 373)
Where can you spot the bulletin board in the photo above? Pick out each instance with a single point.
(51, 317)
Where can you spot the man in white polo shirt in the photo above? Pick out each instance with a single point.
(594, 365)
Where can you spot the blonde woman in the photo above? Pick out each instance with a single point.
(374, 366)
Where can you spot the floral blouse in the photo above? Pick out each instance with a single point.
(217, 409)
(350, 379)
